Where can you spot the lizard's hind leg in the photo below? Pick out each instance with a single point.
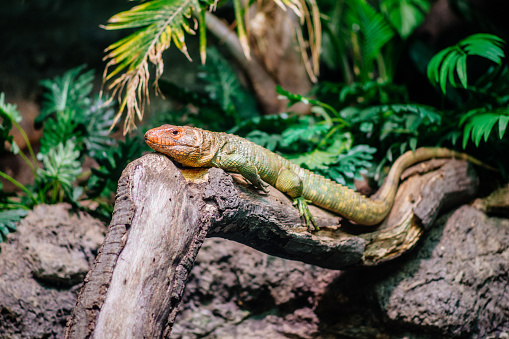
(290, 183)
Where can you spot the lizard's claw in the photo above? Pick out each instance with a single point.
(264, 187)
(261, 186)
(302, 204)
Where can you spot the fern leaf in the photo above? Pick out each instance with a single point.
(162, 22)
(69, 90)
(315, 160)
(98, 121)
(61, 167)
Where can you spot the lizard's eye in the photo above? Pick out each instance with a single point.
(175, 133)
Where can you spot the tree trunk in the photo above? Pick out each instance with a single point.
(163, 213)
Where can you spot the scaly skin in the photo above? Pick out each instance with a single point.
(200, 148)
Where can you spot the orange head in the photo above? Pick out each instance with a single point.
(183, 144)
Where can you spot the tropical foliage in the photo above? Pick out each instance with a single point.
(157, 23)
(75, 126)
(357, 124)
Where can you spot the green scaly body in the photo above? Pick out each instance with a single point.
(233, 153)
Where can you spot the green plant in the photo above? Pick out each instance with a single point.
(102, 184)
(389, 130)
(487, 105)
(61, 168)
(11, 117)
(217, 102)
(8, 218)
(156, 24)
(364, 39)
(75, 125)
(451, 63)
(405, 15)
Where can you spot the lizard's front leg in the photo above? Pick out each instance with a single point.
(290, 183)
(238, 163)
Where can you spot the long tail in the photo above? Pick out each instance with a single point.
(360, 209)
(388, 190)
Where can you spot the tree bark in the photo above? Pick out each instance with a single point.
(163, 213)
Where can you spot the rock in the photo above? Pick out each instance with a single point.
(237, 292)
(497, 203)
(454, 284)
(42, 265)
(457, 284)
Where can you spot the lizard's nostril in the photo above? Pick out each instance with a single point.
(149, 135)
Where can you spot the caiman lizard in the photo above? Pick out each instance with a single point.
(196, 147)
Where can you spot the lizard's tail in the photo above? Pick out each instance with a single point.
(358, 208)
(388, 190)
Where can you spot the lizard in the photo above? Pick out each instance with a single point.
(195, 147)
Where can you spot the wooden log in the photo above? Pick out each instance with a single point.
(164, 212)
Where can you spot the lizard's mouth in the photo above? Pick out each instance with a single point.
(158, 143)
(152, 138)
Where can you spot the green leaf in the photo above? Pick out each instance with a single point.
(264, 139)
(8, 114)
(99, 118)
(305, 131)
(484, 45)
(413, 144)
(60, 129)
(158, 23)
(224, 87)
(69, 91)
(461, 68)
(452, 61)
(502, 125)
(9, 111)
(373, 32)
(8, 218)
(350, 165)
(315, 160)
(68, 111)
(479, 125)
(434, 66)
(104, 180)
(60, 170)
(405, 15)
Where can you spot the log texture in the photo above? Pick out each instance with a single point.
(163, 213)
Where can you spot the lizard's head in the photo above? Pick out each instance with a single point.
(183, 144)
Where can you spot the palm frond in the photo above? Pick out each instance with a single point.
(371, 32)
(405, 15)
(479, 124)
(452, 61)
(161, 22)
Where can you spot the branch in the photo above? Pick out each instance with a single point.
(163, 213)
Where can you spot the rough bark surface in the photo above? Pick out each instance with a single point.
(163, 214)
(138, 277)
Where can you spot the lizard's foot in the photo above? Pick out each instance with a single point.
(264, 187)
(302, 204)
(260, 185)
